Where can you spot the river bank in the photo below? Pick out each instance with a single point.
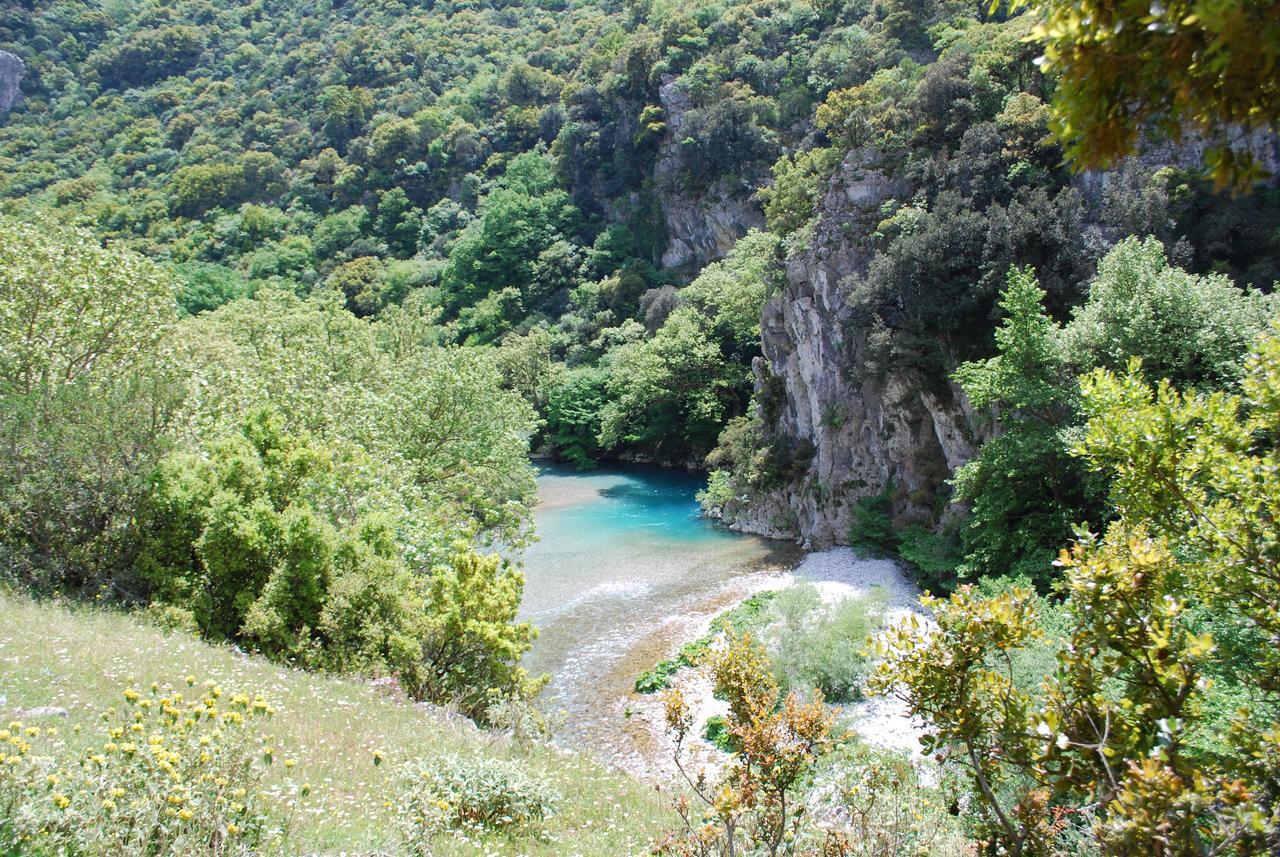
(626, 571)
(838, 574)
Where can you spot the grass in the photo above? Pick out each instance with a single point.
(81, 658)
(737, 619)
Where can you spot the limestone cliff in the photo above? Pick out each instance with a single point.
(11, 71)
(865, 432)
(701, 226)
(857, 430)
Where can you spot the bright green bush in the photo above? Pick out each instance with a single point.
(933, 557)
(243, 538)
(797, 184)
(823, 646)
(573, 416)
(1192, 330)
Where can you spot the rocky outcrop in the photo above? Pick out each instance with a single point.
(866, 431)
(12, 69)
(703, 226)
(856, 429)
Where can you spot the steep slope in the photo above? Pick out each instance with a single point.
(81, 659)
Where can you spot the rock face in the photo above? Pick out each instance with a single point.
(869, 431)
(866, 432)
(701, 227)
(11, 70)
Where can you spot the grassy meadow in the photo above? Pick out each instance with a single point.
(82, 659)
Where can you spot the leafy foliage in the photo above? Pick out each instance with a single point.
(672, 393)
(87, 396)
(752, 806)
(472, 643)
(736, 620)
(821, 646)
(1114, 727)
(1131, 68)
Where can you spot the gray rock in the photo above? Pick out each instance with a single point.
(701, 227)
(12, 69)
(44, 711)
(866, 431)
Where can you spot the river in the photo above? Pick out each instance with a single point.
(626, 569)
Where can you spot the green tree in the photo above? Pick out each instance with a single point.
(200, 187)
(671, 394)
(399, 223)
(1129, 68)
(337, 232)
(522, 217)
(1025, 489)
(87, 398)
(207, 286)
(1192, 330)
(432, 426)
(792, 201)
(255, 539)
(575, 407)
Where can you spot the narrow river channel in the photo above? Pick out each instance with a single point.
(626, 570)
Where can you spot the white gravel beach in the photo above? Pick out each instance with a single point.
(838, 574)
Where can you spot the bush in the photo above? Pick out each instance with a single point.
(472, 643)
(872, 527)
(822, 646)
(474, 796)
(172, 775)
(717, 732)
(889, 808)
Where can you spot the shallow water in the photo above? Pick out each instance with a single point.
(626, 570)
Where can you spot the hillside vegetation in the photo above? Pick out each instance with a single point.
(290, 290)
(82, 659)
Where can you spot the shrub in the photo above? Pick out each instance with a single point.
(791, 202)
(872, 527)
(172, 775)
(573, 416)
(472, 644)
(889, 809)
(717, 732)
(473, 796)
(755, 805)
(822, 647)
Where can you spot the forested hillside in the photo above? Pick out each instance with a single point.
(290, 290)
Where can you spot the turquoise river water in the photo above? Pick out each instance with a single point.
(625, 570)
